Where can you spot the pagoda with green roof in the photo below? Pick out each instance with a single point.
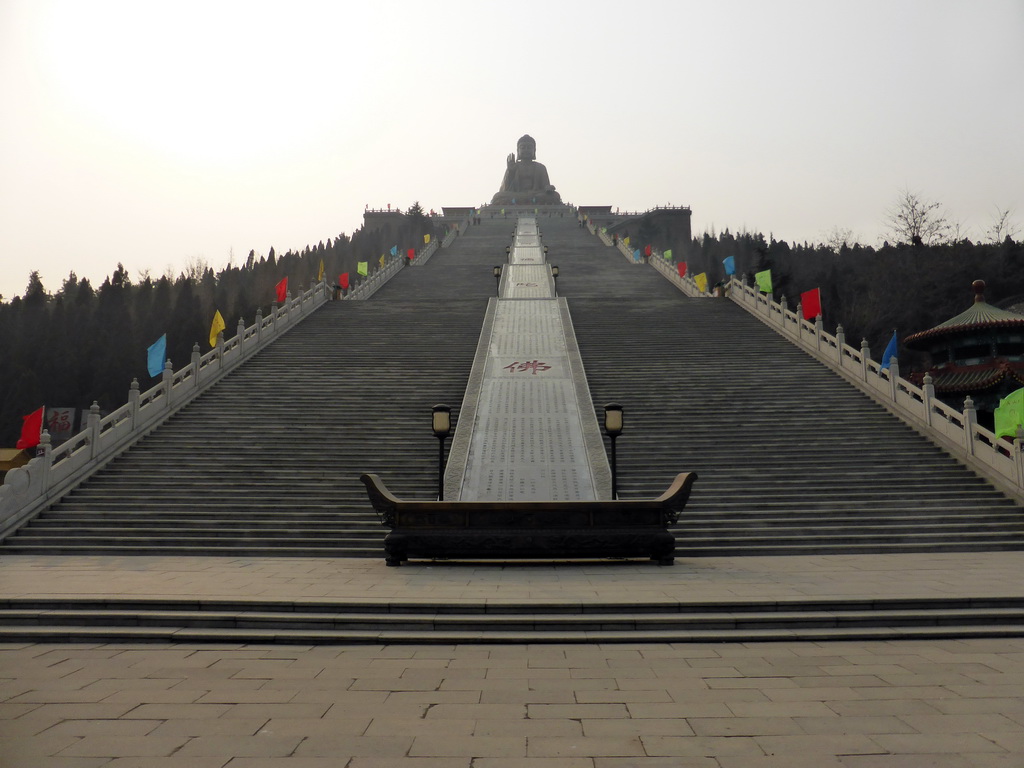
(979, 353)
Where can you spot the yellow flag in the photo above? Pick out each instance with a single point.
(361, 268)
(426, 239)
(320, 272)
(217, 327)
(382, 261)
(702, 282)
(626, 241)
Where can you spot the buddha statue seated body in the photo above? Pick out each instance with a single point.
(526, 181)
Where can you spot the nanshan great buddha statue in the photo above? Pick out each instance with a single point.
(526, 181)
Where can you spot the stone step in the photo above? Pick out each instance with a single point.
(226, 548)
(69, 620)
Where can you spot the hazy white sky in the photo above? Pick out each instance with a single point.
(154, 133)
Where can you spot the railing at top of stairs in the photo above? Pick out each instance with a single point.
(55, 470)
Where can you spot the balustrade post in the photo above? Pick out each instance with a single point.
(840, 343)
(93, 428)
(195, 365)
(219, 349)
(259, 325)
(45, 451)
(819, 329)
(865, 357)
(894, 377)
(240, 334)
(970, 419)
(784, 307)
(168, 382)
(133, 403)
(929, 395)
(275, 312)
(1018, 455)
(799, 323)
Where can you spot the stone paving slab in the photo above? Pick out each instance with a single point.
(747, 726)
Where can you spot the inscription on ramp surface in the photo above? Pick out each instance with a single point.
(527, 441)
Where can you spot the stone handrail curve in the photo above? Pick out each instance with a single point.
(56, 470)
(957, 431)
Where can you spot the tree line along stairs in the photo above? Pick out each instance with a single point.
(792, 460)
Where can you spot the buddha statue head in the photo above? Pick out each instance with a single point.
(526, 148)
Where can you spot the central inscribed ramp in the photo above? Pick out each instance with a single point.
(523, 435)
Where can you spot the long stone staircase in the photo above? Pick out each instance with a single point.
(791, 460)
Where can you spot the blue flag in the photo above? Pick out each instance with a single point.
(890, 353)
(394, 250)
(730, 265)
(636, 255)
(155, 356)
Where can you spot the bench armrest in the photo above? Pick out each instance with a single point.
(673, 500)
(384, 502)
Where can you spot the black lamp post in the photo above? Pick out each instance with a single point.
(497, 279)
(613, 427)
(508, 252)
(554, 276)
(442, 424)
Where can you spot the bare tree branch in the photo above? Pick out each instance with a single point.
(917, 221)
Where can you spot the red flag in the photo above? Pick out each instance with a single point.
(282, 291)
(647, 250)
(343, 280)
(681, 266)
(31, 429)
(811, 302)
(411, 253)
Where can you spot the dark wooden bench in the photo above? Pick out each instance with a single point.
(512, 530)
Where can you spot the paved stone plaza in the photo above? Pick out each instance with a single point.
(943, 703)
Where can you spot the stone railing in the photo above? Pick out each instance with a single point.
(374, 282)
(955, 430)
(423, 256)
(455, 232)
(684, 284)
(27, 490)
(666, 207)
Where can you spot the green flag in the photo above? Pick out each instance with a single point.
(764, 281)
(668, 255)
(1010, 414)
(361, 268)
